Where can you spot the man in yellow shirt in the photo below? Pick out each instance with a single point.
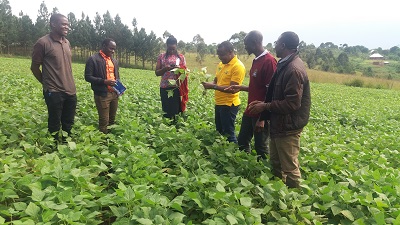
(230, 71)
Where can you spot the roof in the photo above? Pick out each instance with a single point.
(376, 55)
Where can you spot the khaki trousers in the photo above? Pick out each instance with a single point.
(107, 109)
(284, 152)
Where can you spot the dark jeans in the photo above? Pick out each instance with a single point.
(260, 138)
(171, 105)
(61, 110)
(225, 117)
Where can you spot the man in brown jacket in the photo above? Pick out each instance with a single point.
(287, 106)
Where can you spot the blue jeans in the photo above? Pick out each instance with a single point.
(225, 117)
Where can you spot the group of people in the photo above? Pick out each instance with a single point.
(278, 105)
(52, 53)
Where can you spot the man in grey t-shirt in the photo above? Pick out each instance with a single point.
(53, 53)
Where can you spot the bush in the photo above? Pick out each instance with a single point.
(355, 83)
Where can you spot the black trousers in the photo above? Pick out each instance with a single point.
(171, 103)
(247, 133)
(61, 111)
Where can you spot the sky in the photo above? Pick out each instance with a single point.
(369, 23)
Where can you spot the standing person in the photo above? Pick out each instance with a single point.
(287, 106)
(166, 62)
(262, 69)
(230, 71)
(53, 53)
(102, 71)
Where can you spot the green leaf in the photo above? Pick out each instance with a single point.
(177, 207)
(2, 220)
(276, 215)
(119, 211)
(48, 215)
(144, 221)
(53, 205)
(76, 172)
(220, 188)
(170, 93)
(347, 214)
(210, 211)
(245, 201)
(20, 206)
(8, 193)
(72, 145)
(282, 205)
(37, 194)
(176, 217)
(194, 196)
(122, 186)
(245, 182)
(32, 209)
(380, 218)
(129, 194)
(231, 219)
(336, 210)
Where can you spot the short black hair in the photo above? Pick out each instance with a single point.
(171, 40)
(254, 36)
(56, 17)
(227, 45)
(107, 41)
(290, 39)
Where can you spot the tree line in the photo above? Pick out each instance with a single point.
(138, 48)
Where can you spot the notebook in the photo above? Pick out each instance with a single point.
(119, 87)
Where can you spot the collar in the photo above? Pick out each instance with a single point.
(52, 37)
(262, 54)
(286, 58)
(104, 55)
(233, 60)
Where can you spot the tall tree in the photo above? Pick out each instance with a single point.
(237, 40)
(25, 31)
(201, 48)
(7, 26)
(42, 25)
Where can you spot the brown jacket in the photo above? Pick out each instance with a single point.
(289, 94)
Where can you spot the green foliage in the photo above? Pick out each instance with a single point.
(355, 83)
(368, 72)
(146, 171)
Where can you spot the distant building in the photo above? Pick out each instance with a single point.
(376, 56)
(377, 59)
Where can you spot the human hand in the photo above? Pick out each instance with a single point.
(109, 82)
(257, 107)
(171, 67)
(208, 85)
(259, 126)
(233, 88)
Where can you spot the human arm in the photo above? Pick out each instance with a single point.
(35, 68)
(92, 73)
(160, 70)
(213, 85)
(37, 59)
(237, 88)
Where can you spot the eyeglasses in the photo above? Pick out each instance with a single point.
(276, 43)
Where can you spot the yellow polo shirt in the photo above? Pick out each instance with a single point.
(232, 71)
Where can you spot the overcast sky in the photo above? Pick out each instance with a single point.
(369, 23)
